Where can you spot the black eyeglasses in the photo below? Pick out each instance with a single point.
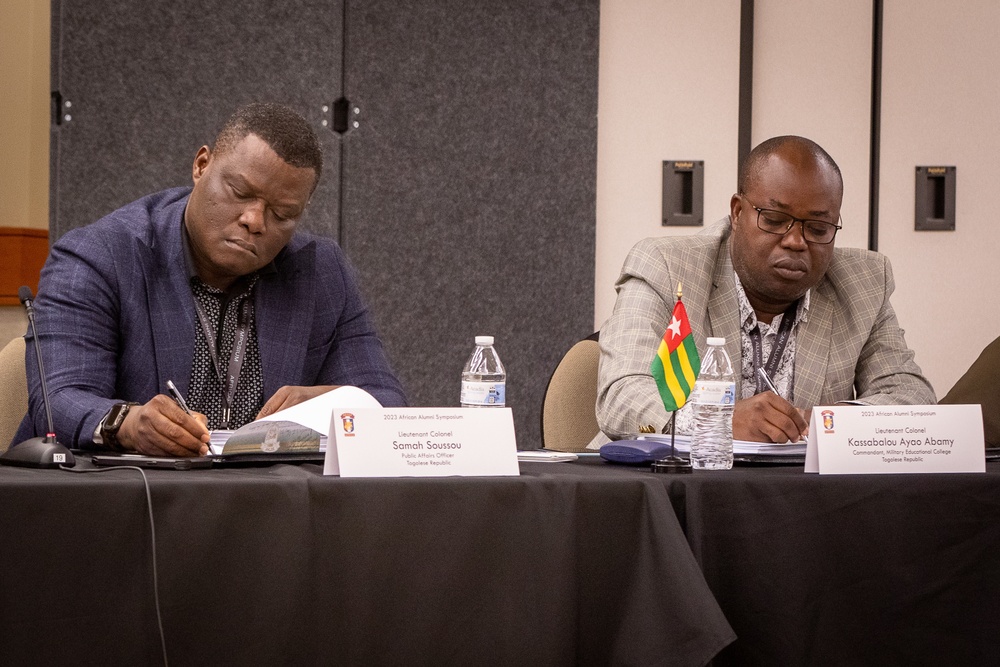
(776, 222)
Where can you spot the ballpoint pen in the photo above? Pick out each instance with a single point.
(178, 397)
(767, 380)
(770, 385)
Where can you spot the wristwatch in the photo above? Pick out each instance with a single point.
(113, 422)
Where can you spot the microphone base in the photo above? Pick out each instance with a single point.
(672, 465)
(38, 453)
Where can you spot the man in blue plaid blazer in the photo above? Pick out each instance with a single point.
(211, 287)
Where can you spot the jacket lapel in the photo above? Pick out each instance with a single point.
(723, 311)
(812, 348)
(285, 304)
(170, 304)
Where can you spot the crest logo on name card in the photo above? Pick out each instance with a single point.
(827, 420)
(347, 421)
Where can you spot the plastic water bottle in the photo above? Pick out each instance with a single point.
(484, 380)
(713, 401)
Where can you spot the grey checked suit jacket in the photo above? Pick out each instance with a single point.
(851, 347)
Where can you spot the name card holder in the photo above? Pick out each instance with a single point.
(872, 439)
(421, 442)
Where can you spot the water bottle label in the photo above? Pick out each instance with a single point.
(483, 393)
(714, 392)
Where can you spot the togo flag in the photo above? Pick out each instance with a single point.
(676, 364)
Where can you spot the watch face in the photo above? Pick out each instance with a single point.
(117, 416)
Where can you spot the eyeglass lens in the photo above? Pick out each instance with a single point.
(814, 231)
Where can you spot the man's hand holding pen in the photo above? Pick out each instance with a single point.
(165, 427)
(767, 417)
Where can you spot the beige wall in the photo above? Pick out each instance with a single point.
(668, 89)
(812, 77)
(13, 323)
(940, 96)
(24, 128)
(24, 113)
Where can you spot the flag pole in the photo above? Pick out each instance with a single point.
(673, 422)
(673, 464)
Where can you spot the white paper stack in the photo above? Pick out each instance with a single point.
(683, 444)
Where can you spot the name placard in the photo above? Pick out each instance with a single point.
(846, 439)
(421, 442)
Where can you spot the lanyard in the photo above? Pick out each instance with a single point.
(784, 331)
(231, 379)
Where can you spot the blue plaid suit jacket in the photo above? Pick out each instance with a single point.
(116, 319)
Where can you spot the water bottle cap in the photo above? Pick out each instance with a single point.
(716, 341)
(484, 340)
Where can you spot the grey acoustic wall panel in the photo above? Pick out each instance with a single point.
(146, 84)
(465, 196)
(469, 185)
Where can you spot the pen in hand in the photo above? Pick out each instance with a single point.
(178, 397)
(767, 380)
(770, 385)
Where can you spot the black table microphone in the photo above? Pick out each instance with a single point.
(40, 452)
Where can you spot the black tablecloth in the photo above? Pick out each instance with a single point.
(281, 565)
(583, 563)
(845, 569)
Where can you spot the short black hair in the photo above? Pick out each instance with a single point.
(750, 168)
(285, 131)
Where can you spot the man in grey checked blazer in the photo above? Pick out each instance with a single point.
(846, 344)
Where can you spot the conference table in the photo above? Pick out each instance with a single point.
(569, 563)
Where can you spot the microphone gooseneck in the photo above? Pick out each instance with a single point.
(26, 297)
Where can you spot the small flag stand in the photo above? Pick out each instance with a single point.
(672, 463)
(675, 369)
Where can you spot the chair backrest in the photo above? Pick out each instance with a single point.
(979, 385)
(569, 414)
(13, 390)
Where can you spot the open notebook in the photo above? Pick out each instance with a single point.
(294, 435)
